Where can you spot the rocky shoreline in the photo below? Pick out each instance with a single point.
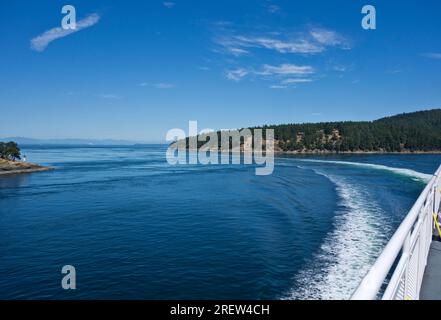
(327, 152)
(279, 151)
(8, 167)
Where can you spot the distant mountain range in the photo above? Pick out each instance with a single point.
(101, 142)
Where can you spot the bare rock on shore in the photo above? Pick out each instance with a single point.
(17, 167)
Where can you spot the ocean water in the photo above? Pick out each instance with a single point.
(136, 228)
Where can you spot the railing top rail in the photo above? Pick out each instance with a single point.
(372, 282)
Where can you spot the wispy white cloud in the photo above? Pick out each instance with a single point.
(329, 38)
(230, 46)
(276, 86)
(109, 96)
(286, 70)
(236, 74)
(285, 74)
(164, 85)
(222, 24)
(168, 4)
(339, 68)
(432, 55)
(238, 51)
(394, 71)
(301, 46)
(160, 85)
(40, 42)
(273, 8)
(296, 80)
(314, 41)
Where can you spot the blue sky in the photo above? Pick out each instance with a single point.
(139, 68)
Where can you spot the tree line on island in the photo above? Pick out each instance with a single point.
(9, 151)
(408, 132)
(411, 132)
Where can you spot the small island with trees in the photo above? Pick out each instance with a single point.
(10, 163)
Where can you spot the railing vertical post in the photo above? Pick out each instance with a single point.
(422, 250)
(437, 193)
(435, 200)
(407, 253)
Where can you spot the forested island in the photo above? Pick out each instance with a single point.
(411, 132)
(405, 133)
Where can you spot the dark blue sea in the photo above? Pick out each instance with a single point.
(135, 227)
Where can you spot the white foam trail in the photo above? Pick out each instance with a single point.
(347, 253)
(401, 171)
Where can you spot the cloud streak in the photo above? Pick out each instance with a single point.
(40, 42)
(314, 41)
(272, 8)
(168, 4)
(164, 85)
(432, 55)
(329, 38)
(276, 86)
(296, 80)
(236, 74)
(287, 74)
(109, 96)
(286, 70)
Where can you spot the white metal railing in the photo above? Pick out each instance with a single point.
(412, 239)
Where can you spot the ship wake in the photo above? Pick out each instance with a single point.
(360, 232)
(400, 171)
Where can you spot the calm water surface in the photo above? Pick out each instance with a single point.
(136, 228)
